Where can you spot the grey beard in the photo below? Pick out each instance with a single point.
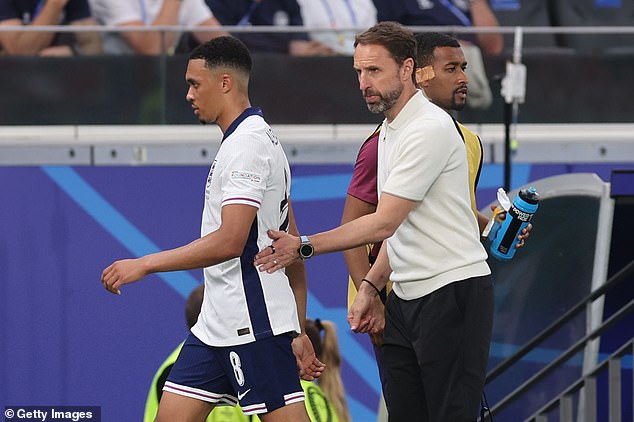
(386, 102)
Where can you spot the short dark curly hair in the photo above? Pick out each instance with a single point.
(426, 43)
(225, 51)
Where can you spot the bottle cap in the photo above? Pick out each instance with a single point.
(530, 195)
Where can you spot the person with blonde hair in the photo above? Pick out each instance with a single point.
(326, 347)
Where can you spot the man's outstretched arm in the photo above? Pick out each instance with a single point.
(390, 213)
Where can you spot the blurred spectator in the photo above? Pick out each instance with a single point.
(268, 13)
(124, 13)
(595, 13)
(445, 12)
(336, 14)
(47, 12)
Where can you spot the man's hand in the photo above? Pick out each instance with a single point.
(307, 363)
(281, 253)
(122, 272)
(360, 315)
(377, 309)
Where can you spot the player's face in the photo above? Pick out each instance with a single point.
(448, 89)
(378, 75)
(204, 91)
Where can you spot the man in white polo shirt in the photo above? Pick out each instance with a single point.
(438, 319)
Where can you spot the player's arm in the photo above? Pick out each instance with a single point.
(219, 246)
(371, 228)
(483, 220)
(296, 274)
(356, 258)
(307, 363)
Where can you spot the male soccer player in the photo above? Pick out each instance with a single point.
(242, 348)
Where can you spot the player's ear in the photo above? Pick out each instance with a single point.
(226, 82)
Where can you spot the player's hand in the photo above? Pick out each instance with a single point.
(307, 363)
(281, 253)
(526, 231)
(122, 272)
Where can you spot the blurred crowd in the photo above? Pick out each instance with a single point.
(318, 27)
(315, 27)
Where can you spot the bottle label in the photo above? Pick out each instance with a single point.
(518, 217)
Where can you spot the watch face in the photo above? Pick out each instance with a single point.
(306, 251)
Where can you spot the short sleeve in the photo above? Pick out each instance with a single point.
(245, 172)
(363, 184)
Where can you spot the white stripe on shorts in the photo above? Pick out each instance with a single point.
(254, 409)
(294, 397)
(196, 393)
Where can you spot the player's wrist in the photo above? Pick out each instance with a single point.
(148, 264)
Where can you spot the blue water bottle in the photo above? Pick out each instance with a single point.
(504, 234)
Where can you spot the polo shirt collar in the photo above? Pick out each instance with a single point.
(411, 109)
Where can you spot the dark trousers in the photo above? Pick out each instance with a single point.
(436, 350)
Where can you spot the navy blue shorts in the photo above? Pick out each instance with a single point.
(262, 376)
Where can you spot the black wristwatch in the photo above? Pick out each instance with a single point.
(306, 249)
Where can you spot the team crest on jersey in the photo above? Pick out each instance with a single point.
(245, 175)
(208, 185)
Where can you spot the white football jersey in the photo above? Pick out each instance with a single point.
(242, 304)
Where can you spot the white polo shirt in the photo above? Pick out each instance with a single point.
(242, 304)
(422, 158)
